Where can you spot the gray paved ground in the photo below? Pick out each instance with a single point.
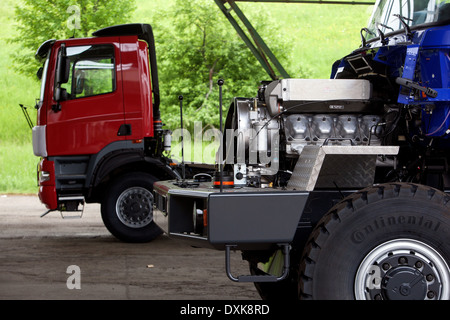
(35, 254)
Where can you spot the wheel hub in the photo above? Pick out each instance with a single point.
(404, 282)
(134, 207)
(402, 269)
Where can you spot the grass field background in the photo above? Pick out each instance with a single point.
(319, 34)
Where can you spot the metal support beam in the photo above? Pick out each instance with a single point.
(256, 44)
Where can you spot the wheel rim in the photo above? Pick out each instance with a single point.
(134, 207)
(403, 269)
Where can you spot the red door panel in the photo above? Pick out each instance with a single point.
(93, 112)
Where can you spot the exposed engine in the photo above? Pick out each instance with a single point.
(270, 132)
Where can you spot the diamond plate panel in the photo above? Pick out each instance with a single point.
(345, 166)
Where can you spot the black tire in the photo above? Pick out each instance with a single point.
(385, 242)
(127, 208)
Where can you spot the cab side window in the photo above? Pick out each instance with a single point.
(92, 71)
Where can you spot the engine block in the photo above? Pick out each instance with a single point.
(337, 129)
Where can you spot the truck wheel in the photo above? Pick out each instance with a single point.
(127, 208)
(389, 242)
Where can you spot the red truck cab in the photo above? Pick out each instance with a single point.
(99, 124)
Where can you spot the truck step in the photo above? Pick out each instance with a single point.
(72, 210)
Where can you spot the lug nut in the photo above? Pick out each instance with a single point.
(386, 266)
(418, 264)
(402, 260)
(430, 294)
(430, 277)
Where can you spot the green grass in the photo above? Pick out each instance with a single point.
(17, 162)
(317, 35)
(18, 175)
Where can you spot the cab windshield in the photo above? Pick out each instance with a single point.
(387, 14)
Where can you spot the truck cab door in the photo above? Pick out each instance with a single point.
(87, 112)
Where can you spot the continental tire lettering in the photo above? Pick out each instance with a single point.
(359, 235)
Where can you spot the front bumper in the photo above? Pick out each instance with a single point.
(46, 180)
(245, 218)
(47, 195)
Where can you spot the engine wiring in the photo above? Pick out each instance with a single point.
(440, 127)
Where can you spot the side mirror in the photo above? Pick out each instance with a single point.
(60, 94)
(39, 73)
(62, 74)
(62, 70)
